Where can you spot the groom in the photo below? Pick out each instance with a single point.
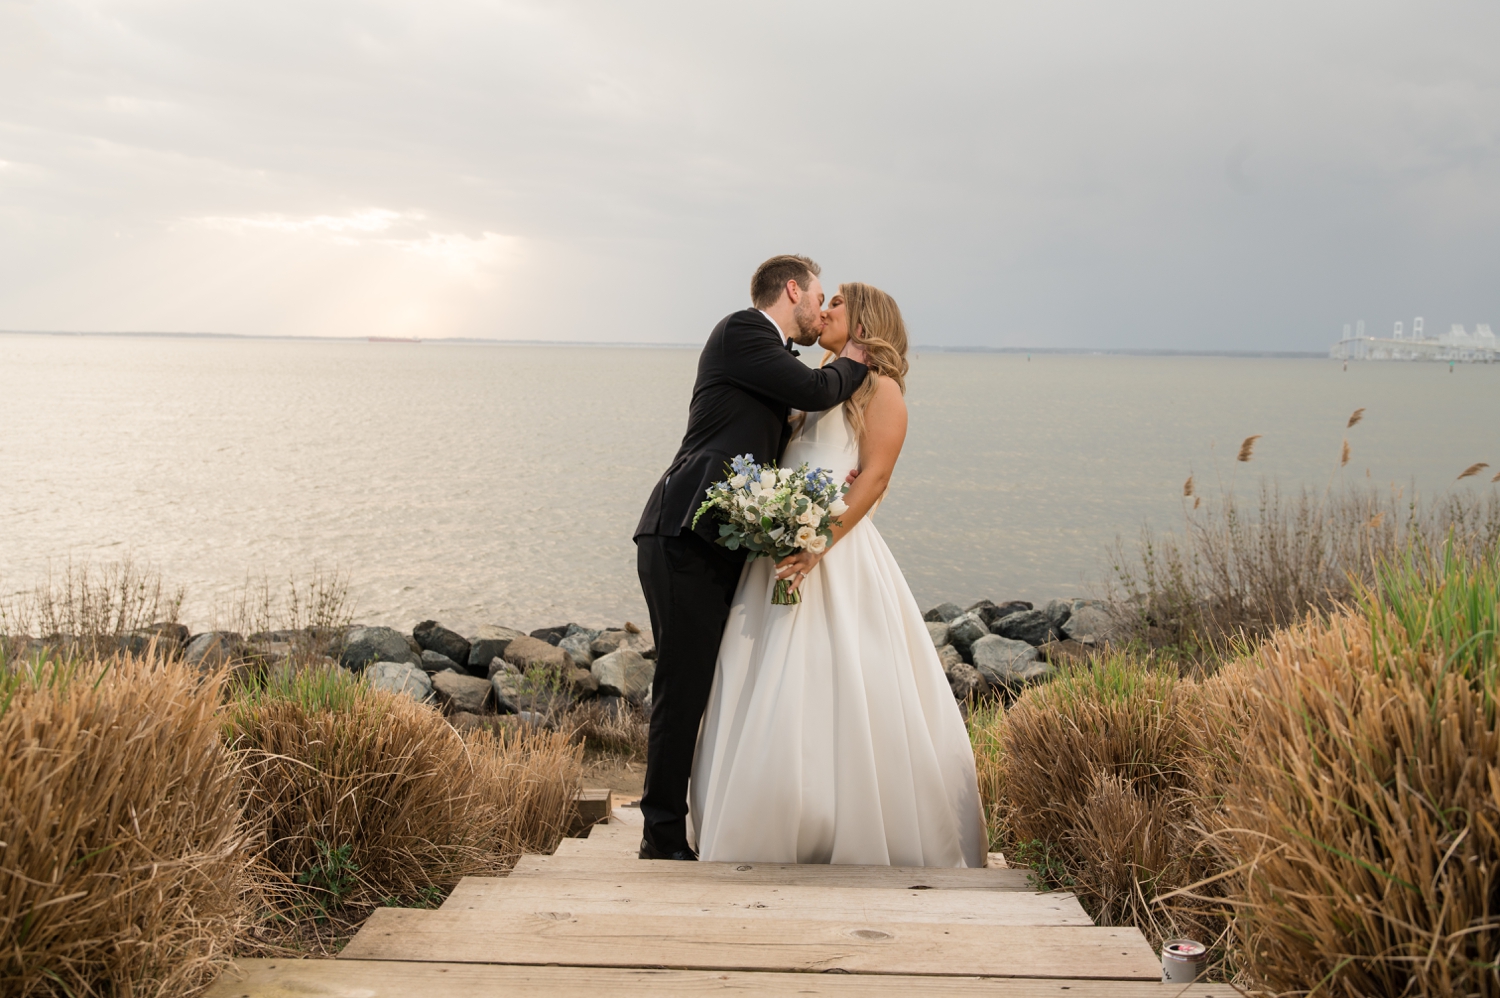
(748, 378)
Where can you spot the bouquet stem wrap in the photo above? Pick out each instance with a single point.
(785, 595)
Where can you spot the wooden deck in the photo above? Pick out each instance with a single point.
(592, 919)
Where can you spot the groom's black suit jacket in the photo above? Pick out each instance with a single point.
(747, 382)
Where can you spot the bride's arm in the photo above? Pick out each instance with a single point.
(885, 432)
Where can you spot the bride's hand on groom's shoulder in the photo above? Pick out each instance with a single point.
(855, 352)
(797, 567)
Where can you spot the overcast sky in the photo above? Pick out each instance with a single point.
(1146, 174)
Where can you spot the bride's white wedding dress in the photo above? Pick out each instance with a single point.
(831, 734)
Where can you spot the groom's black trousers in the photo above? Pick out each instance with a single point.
(689, 584)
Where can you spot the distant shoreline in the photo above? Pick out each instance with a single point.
(477, 341)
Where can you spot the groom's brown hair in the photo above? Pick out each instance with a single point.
(771, 277)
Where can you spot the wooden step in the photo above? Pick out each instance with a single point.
(604, 845)
(383, 979)
(889, 877)
(651, 896)
(689, 942)
(616, 830)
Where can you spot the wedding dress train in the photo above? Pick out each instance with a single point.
(831, 734)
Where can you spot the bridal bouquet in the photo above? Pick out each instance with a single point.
(775, 512)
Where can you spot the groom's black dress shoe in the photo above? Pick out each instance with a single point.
(648, 851)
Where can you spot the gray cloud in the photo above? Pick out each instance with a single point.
(1052, 174)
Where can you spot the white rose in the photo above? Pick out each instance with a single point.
(818, 544)
(816, 512)
(805, 537)
(737, 482)
(768, 480)
(838, 507)
(785, 475)
(806, 517)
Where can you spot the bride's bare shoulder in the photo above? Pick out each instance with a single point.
(888, 404)
(888, 394)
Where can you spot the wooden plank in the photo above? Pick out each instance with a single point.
(604, 845)
(687, 942)
(898, 877)
(720, 900)
(379, 979)
(613, 829)
(591, 806)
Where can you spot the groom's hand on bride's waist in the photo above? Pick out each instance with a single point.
(852, 476)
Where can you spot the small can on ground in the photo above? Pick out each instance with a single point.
(1182, 961)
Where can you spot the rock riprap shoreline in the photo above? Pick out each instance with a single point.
(505, 677)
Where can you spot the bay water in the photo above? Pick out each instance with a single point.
(479, 483)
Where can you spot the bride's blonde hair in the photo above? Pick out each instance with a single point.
(875, 323)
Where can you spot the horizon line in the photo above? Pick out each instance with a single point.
(492, 341)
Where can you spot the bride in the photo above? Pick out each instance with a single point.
(831, 734)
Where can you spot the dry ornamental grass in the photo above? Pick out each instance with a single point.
(121, 846)
(1361, 793)
(1088, 780)
(366, 797)
(1325, 812)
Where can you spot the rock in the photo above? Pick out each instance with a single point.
(1058, 611)
(462, 693)
(173, 633)
(214, 648)
(363, 645)
(552, 635)
(433, 661)
(609, 642)
(508, 688)
(499, 665)
(583, 684)
(964, 630)
(284, 636)
(528, 654)
(1091, 623)
(434, 637)
(966, 681)
(948, 656)
(1067, 653)
(577, 646)
(326, 641)
(938, 632)
(274, 653)
(1005, 662)
(169, 638)
(625, 673)
(1031, 626)
(980, 609)
(400, 677)
(489, 643)
(991, 612)
(943, 613)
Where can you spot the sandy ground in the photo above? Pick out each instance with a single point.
(626, 779)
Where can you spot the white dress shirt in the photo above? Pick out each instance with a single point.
(774, 323)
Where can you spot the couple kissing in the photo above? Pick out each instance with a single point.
(823, 731)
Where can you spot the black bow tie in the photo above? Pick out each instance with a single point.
(791, 349)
